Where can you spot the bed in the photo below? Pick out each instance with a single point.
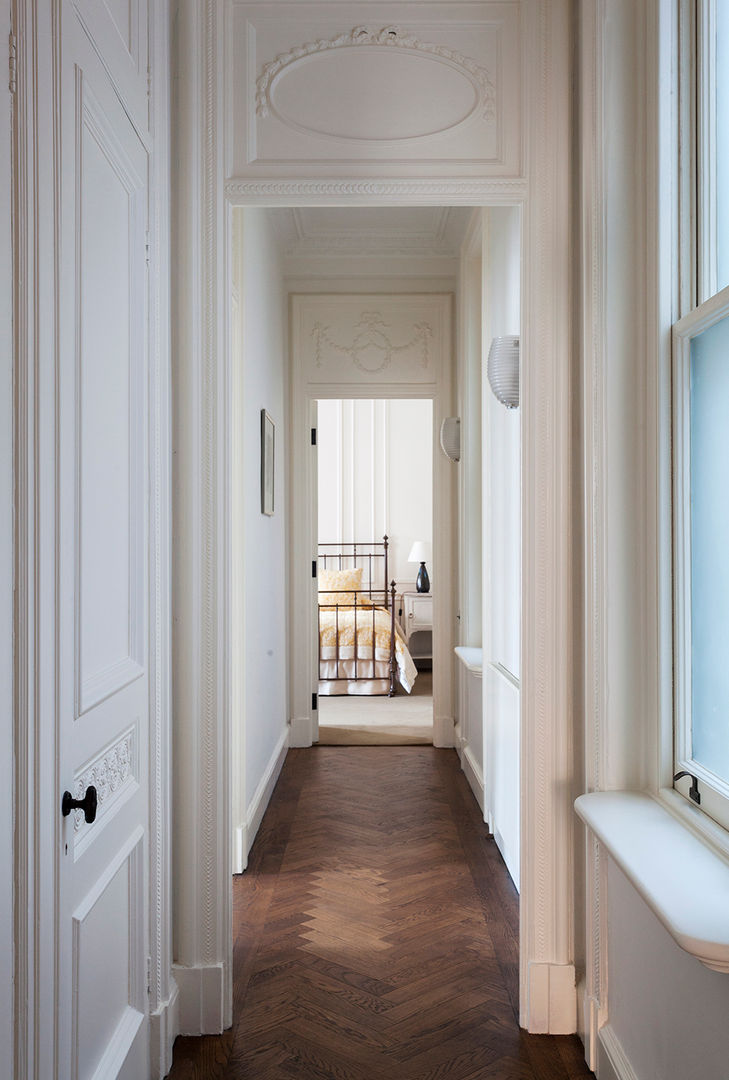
(357, 606)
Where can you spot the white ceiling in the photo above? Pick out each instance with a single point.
(413, 231)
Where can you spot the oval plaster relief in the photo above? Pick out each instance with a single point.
(373, 94)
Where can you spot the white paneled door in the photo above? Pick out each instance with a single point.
(101, 560)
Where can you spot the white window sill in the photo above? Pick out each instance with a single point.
(682, 880)
(471, 658)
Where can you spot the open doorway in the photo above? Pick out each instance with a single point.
(375, 527)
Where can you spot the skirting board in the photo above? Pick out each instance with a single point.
(244, 835)
(474, 775)
(164, 1027)
(612, 1062)
(200, 999)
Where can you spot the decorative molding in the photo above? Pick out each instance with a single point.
(111, 772)
(389, 37)
(162, 987)
(492, 191)
(547, 981)
(372, 336)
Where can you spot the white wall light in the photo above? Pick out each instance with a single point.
(503, 370)
(450, 437)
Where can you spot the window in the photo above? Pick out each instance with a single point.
(701, 426)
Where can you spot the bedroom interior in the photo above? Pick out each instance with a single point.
(375, 478)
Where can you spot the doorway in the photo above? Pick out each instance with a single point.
(374, 523)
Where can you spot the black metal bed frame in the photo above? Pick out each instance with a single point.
(347, 555)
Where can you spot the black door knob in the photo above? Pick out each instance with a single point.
(88, 804)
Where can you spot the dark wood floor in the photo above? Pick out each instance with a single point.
(376, 934)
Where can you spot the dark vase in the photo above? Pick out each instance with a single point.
(422, 583)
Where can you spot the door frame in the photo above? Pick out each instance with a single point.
(303, 481)
(204, 199)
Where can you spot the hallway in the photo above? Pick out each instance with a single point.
(376, 934)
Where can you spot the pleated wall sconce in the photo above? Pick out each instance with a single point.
(503, 370)
(450, 437)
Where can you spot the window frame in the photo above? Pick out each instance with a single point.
(700, 306)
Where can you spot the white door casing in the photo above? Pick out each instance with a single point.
(403, 349)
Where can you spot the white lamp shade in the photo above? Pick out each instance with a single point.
(419, 552)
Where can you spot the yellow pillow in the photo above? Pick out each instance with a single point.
(342, 581)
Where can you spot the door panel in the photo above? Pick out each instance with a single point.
(119, 30)
(103, 691)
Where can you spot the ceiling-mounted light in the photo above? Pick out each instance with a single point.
(503, 369)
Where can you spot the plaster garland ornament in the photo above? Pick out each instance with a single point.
(372, 336)
(390, 37)
(108, 774)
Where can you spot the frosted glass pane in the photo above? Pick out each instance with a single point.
(722, 143)
(710, 548)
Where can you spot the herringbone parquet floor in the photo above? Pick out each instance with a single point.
(376, 934)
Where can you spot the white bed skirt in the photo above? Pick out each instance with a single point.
(335, 676)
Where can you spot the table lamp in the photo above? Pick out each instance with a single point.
(419, 553)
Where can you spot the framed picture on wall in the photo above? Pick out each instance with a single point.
(268, 437)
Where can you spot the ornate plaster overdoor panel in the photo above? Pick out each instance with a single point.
(360, 340)
(323, 92)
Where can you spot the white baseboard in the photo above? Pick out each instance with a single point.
(551, 999)
(240, 848)
(612, 1061)
(164, 1027)
(200, 999)
(264, 791)
(474, 775)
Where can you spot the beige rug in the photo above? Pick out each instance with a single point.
(379, 721)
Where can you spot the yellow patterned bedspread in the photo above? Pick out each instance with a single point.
(342, 621)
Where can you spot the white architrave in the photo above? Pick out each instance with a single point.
(406, 317)
(162, 986)
(202, 528)
(201, 518)
(548, 1002)
(7, 680)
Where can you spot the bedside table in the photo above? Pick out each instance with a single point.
(416, 623)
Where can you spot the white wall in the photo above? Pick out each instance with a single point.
(376, 477)
(501, 530)
(260, 661)
(667, 1011)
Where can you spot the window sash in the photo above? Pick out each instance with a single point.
(714, 790)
